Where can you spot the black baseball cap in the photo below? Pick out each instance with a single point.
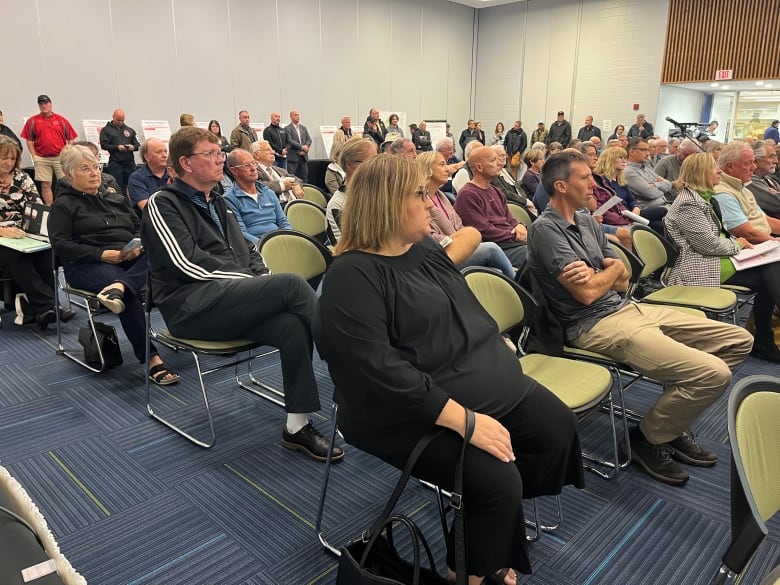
(43, 98)
(560, 113)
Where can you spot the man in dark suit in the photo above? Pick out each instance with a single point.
(375, 127)
(276, 135)
(281, 182)
(299, 142)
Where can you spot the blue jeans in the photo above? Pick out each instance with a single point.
(281, 162)
(490, 255)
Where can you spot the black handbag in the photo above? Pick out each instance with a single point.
(374, 560)
(106, 340)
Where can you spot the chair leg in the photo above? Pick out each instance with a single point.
(205, 444)
(257, 387)
(615, 464)
(324, 491)
(723, 576)
(72, 354)
(536, 524)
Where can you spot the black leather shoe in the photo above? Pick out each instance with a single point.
(45, 319)
(686, 450)
(766, 352)
(656, 461)
(311, 442)
(66, 314)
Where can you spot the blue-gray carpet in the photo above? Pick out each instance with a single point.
(130, 502)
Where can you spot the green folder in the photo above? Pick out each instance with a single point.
(26, 245)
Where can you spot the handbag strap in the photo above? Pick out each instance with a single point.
(456, 501)
(411, 461)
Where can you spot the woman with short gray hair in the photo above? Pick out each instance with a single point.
(95, 235)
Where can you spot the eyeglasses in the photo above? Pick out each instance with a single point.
(87, 169)
(212, 155)
(246, 166)
(422, 193)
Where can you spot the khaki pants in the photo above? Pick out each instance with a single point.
(693, 356)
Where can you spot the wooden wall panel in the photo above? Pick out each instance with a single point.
(704, 36)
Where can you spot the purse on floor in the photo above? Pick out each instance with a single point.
(107, 341)
(374, 560)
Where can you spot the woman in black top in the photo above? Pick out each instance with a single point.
(408, 346)
(89, 230)
(216, 129)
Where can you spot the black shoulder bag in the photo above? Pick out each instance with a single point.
(374, 560)
(107, 342)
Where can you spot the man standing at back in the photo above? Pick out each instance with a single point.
(243, 135)
(121, 143)
(47, 134)
(299, 142)
(588, 131)
(581, 278)
(210, 284)
(277, 138)
(516, 142)
(560, 131)
(375, 128)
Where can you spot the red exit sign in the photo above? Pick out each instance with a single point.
(722, 74)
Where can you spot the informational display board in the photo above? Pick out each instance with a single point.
(92, 130)
(327, 133)
(160, 129)
(438, 130)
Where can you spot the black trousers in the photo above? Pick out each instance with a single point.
(299, 168)
(548, 456)
(33, 274)
(121, 172)
(765, 281)
(273, 310)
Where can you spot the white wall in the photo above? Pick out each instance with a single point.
(585, 57)
(683, 105)
(211, 58)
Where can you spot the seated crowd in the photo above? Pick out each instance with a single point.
(402, 224)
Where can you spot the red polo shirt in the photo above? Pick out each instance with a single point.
(48, 135)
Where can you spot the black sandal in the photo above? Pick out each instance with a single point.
(496, 578)
(112, 299)
(159, 375)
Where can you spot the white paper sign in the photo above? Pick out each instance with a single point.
(92, 130)
(160, 129)
(327, 133)
(438, 131)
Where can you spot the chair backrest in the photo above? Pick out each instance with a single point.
(307, 217)
(754, 431)
(314, 194)
(287, 251)
(653, 249)
(632, 263)
(520, 213)
(504, 300)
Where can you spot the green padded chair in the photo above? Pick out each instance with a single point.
(520, 213)
(754, 433)
(288, 251)
(582, 386)
(658, 253)
(314, 194)
(307, 217)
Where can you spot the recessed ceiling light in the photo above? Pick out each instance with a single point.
(759, 83)
(768, 85)
(714, 84)
(725, 87)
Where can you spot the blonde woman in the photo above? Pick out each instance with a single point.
(705, 249)
(409, 347)
(610, 173)
(353, 153)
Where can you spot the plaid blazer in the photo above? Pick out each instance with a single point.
(693, 227)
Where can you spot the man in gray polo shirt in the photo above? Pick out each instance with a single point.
(582, 278)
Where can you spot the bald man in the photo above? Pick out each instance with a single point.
(121, 143)
(299, 142)
(277, 138)
(482, 206)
